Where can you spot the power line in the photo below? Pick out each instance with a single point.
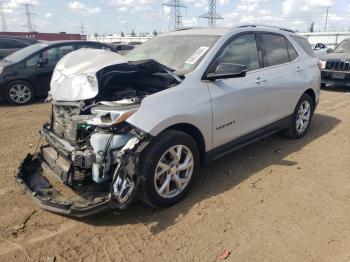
(3, 17)
(28, 15)
(325, 24)
(212, 15)
(82, 28)
(175, 6)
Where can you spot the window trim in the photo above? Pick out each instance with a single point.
(228, 41)
(285, 40)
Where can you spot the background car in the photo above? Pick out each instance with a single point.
(123, 48)
(11, 44)
(321, 49)
(26, 74)
(336, 66)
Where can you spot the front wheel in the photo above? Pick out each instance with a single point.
(169, 166)
(301, 118)
(19, 93)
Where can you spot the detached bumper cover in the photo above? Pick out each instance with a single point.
(35, 184)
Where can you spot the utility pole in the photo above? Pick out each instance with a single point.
(82, 28)
(212, 15)
(175, 6)
(325, 24)
(28, 15)
(3, 17)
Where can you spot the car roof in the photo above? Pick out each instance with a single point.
(20, 38)
(223, 30)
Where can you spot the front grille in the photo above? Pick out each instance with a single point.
(338, 65)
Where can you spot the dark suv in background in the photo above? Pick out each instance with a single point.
(336, 66)
(11, 44)
(26, 74)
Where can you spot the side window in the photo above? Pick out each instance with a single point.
(18, 44)
(33, 61)
(63, 50)
(103, 47)
(5, 43)
(304, 44)
(275, 48)
(292, 52)
(88, 46)
(242, 50)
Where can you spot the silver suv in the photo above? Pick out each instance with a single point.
(141, 126)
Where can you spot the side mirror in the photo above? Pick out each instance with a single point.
(228, 70)
(42, 62)
(329, 50)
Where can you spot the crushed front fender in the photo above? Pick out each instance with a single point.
(31, 178)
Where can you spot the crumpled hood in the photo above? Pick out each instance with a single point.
(74, 77)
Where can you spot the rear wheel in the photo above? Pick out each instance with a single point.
(19, 93)
(169, 165)
(301, 118)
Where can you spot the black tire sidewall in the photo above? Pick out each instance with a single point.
(8, 98)
(305, 97)
(149, 161)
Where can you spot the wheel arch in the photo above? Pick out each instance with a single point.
(312, 94)
(196, 134)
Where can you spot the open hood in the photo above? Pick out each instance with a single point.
(80, 74)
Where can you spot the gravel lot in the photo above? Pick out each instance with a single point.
(275, 200)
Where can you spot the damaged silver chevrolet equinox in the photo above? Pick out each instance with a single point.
(140, 127)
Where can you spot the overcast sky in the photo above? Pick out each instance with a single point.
(113, 16)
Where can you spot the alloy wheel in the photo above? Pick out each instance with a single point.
(20, 93)
(174, 171)
(303, 116)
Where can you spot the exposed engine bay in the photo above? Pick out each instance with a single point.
(90, 147)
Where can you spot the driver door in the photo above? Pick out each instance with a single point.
(239, 105)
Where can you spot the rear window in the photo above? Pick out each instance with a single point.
(275, 48)
(304, 44)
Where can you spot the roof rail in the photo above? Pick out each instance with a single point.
(269, 26)
(188, 28)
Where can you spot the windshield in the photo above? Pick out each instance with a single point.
(343, 47)
(24, 53)
(180, 52)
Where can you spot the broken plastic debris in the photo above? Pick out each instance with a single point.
(225, 254)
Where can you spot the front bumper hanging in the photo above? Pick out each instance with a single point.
(48, 198)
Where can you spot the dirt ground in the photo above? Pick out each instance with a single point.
(275, 200)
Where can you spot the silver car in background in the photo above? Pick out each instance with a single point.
(141, 126)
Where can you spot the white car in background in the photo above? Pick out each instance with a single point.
(141, 126)
(321, 49)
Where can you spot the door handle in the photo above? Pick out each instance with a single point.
(299, 69)
(259, 80)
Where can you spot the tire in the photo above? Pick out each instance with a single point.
(298, 128)
(150, 166)
(19, 93)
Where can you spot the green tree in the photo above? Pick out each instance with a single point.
(122, 34)
(133, 33)
(96, 35)
(155, 33)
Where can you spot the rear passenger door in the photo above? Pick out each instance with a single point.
(284, 72)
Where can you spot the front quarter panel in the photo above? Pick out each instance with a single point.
(187, 103)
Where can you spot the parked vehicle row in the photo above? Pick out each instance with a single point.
(26, 74)
(141, 126)
(11, 44)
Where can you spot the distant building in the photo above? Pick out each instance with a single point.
(47, 36)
